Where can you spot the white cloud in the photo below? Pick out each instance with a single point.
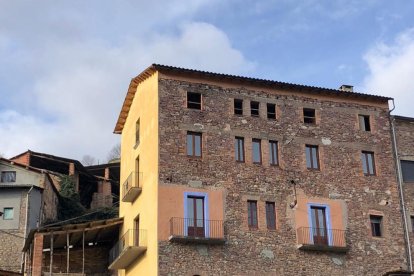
(72, 87)
(391, 71)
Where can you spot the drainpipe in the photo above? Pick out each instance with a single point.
(400, 188)
(27, 224)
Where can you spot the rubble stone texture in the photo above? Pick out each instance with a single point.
(262, 251)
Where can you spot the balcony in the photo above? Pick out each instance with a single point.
(132, 245)
(322, 239)
(187, 230)
(132, 187)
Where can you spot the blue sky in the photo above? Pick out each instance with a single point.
(66, 65)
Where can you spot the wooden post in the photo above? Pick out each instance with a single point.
(51, 254)
(67, 254)
(83, 252)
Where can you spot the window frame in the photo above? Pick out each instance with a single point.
(3, 176)
(310, 120)
(5, 212)
(189, 103)
(270, 215)
(376, 232)
(240, 156)
(404, 173)
(273, 145)
(364, 158)
(193, 142)
(312, 165)
(252, 215)
(255, 109)
(259, 142)
(364, 121)
(238, 109)
(273, 117)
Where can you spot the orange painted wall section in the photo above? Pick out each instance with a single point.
(171, 204)
(338, 216)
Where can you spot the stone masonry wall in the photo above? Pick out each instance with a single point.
(265, 252)
(405, 143)
(12, 240)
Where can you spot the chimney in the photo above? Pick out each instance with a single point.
(346, 88)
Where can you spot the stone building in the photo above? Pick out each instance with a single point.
(27, 199)
(229, 175)
(98, 185)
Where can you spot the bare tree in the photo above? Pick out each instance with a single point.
(88, 160)
(114, 153)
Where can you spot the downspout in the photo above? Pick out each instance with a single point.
(400, 188)
(27, 225)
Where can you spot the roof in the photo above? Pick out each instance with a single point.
(78, 164)
(95, 231)
(36, 170)
(229, 78)
(402, 118)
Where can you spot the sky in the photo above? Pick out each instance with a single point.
(65, 66)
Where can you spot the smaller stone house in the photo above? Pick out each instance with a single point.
(27, 199)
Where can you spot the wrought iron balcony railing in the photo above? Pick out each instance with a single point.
(130, 246)
(322, 239)
(132, 187)
(197, 230)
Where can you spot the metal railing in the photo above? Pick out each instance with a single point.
(131, 238)
(134, 180)
(321, 237)
(196, 228)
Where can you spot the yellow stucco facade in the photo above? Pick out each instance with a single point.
(144, 108)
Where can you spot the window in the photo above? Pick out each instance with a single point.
(239, 149)
(368, 165)
(8, 176)
(270, 215)
(412, 223)
(254, 109)
(257, 151)
(273, 153)
(271, 111)
(194, 144)
(193, 100)
(309, 116)
(137, 124)
(407, 168)
(312, 157)
(238, 107)
(252, 214)
(376, 225)
(364, 123)
(8, 213)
